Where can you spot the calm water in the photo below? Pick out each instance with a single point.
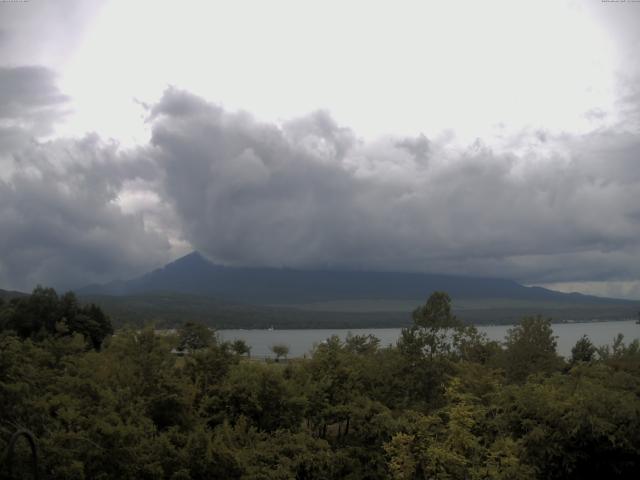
(301, 342)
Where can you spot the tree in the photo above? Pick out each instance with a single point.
(280, 350)
(207, 367)
(91, 322)
(429, 346)
(584, 424)
(284, 454)
(362, 344)
(240, 347)
(433, 325)
(194, 336)
(454, 443)
(258, 392)
(583, 351)
(531, 348)
(44, 314)
(35, 315)
(436, 313)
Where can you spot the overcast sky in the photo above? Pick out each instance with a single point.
(493, 138)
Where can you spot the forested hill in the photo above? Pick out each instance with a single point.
(194, 274)
(7, 294)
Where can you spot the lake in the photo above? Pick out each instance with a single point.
(301, 342)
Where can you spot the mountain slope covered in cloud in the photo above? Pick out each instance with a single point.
(193, 288)
(194, 274)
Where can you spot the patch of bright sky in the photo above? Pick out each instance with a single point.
(481, 69)
(615, 289)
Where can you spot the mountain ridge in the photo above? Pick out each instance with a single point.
(194, 274)
(9, 294)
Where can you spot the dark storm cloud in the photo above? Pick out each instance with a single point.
(232, 181)
(545, 207)
(61, 224)
(30, 104)
(310, 194)
(61, 218)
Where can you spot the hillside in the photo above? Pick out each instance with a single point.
(192, 288)
(194, 274)
(168, 310)
(7, 294)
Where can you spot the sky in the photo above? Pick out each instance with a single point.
(494, 138)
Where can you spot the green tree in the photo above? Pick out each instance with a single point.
(362, 344)
(436, 313)
(454, 442)
(583, 351)
(437, 332)
(91, 322)
(430, 347)
(280, 350)
(530, 348)
(240, 347)
(206, 368)
(36, 315)
(44, 314)
(584, 424)
(260, 393)
(194, 336)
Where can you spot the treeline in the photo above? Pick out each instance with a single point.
(444, 403)
(44, 314)
(170, 310)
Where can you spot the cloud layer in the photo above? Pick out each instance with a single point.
(541, 207)
(30, 103)
(60, 220)
(309, 193)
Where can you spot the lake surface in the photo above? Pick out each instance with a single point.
(301, 342)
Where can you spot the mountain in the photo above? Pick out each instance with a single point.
(9, 294)
(194, 274)
(193, 288)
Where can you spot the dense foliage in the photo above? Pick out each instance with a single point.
(171, 309)
(444, 403)
(44, 314)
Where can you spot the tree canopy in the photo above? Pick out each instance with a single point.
(444, 403)
(44, 313)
